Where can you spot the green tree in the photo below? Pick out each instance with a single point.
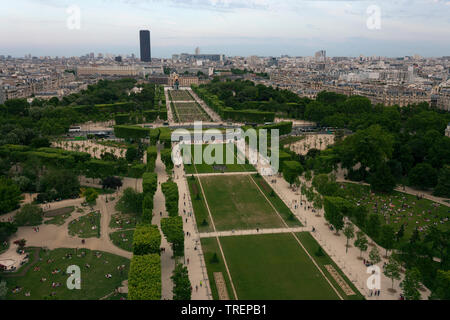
(387, 239)
(442, 288)
(381, 179)
(374, 255)
(443, 186)
(29, 215)
(130, 202)
(182, 286)
(423, 176)
(91, 196)
(392, 270)
(361, 242)
(373, 226)
(349, 232)
(411, 284)
(10, 196)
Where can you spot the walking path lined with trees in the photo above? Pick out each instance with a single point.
(159, 212)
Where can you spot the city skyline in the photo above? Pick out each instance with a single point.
(296, 28)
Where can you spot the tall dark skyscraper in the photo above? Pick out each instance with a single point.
(146, 55)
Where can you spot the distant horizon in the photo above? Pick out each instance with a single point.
(230, 27)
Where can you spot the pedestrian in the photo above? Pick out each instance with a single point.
(196, 288)
(187, 260)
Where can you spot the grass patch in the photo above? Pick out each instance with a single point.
(210, 247)
(236, 203)
(312, 246)
(199, 206)
(100, 190)
(219, 166)
(273, 267)
(123, 239)
(122, 221)
(290, 140)
(58, 216)
(87, 226)
(94, 284)
(399, 208)
(286, 213)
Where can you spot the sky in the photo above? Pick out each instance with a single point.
(233, 27)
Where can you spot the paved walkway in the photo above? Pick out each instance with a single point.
(251, 232)
(198, 274)
(53, 237)
(159, 212)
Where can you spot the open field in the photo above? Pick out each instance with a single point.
(268, 267)
(216, 151)
(236, 203)
(48, 276)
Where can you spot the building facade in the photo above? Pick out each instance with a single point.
(146, 55)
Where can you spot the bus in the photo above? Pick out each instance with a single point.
(75, 129)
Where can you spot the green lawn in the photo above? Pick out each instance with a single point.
(123, 239)
(236, 203)
(122, 221)
(312, 246)
(199, 206)
(87, 226)
(416, 213)
(94, 284)
(220, 165)
(282, 208)
(209, 247)
(269, 267)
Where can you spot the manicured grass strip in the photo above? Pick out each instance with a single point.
(221, 166)
(236, 203)
(123, 239)
(59, 216)
(283, 210)
(312, 246)
(198, 204)
(274, 267)
(87, 226)
(210, 247)
(94, 284)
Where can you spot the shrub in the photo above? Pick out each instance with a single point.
(172, 228)
(29, 215)
(146, 240)
(144, 278)
(170, 190)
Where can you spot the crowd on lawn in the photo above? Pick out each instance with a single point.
(398, 210)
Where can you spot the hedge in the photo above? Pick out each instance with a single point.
(172, 228)
(136, 171)
(154, 136)
(150, 182)
(166, 158)
(131, 132)
(170, 191)
(152, 154)
(122, 118)
(151, 115)
(165, 137)
(144, 278)
(146, 240)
